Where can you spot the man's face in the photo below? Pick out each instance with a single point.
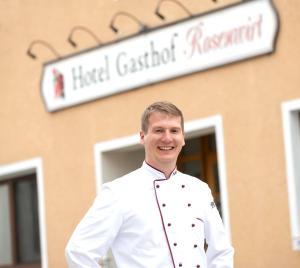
(163, 140)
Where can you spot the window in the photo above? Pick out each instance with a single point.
(22, 215)
(19, 239)
(291, 129)
(198, 158)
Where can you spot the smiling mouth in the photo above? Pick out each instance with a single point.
(166, 148)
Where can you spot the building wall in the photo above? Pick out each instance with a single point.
(247, 95)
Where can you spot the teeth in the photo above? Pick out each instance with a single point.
(165, 148)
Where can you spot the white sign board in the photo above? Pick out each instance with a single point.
(223, 36)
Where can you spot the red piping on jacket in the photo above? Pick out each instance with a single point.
(162, 220)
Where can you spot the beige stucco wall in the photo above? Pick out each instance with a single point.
(248, 95)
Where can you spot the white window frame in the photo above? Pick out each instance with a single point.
(24, 168)
(194, 128)
(291, 132)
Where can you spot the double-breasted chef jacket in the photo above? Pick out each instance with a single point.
(152, 222)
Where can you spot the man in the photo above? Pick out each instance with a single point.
(155, 216)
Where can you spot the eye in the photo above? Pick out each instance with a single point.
(175, 130)
(158, 130)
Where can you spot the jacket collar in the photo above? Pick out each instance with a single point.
(157, 174)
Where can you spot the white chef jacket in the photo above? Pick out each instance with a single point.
(152, 222)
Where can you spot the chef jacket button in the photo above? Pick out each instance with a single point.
(189, 204)
(157, 186)
(195, 245)
(169, 224)
(182, 186)
(175, 244)
(193, 225)
(180, 264)
(163, 204)
(198, 266)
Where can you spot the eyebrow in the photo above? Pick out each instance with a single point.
(161, 127)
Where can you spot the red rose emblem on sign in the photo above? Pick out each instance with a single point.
(58, 81)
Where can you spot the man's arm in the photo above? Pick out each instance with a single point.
(95, 233)
(219, 252)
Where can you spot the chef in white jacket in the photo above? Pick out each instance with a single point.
(155, 216)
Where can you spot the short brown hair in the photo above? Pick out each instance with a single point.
(161, 107)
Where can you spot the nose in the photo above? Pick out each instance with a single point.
(167, 136)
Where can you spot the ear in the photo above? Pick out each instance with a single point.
(142, 136)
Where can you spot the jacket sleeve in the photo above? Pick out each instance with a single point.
(95, 233)
(219, 251)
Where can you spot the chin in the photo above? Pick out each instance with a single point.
(167, 160)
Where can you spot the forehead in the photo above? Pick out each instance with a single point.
(159, 119)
